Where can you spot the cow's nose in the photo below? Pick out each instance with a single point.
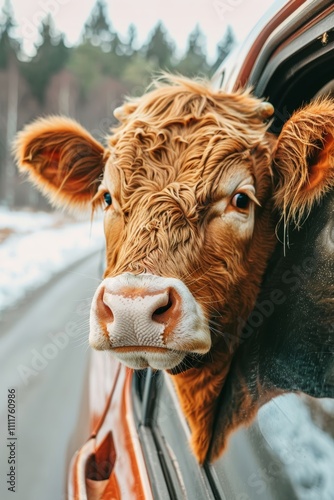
(147, 320)
(138, 315)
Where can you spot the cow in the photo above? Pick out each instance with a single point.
(187, 186)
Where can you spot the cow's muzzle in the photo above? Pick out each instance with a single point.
(147, 320)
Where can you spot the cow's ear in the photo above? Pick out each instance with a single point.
(123, 112)
(304, 159)
(62, 159)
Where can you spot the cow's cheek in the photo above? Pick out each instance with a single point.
(224, 256)
(226, 241)
(114, 234)
(224, 268)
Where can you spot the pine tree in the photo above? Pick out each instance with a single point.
(194, 61)
(98, 30)
(224, 48)
(51, 56)
(159, 49)
(9, 47)
(138, 73)
(132, 35)
(101, 52)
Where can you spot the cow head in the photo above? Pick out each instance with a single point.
(287, 344)
(186, 185)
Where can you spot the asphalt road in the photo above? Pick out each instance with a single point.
(44, 356)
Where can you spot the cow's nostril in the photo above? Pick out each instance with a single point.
(103, 309)
(107, 313)
(167, 310)
(162, 310)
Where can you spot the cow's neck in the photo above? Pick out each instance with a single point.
(198, 389)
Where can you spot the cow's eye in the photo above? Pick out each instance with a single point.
(107, 198)
(241, 201)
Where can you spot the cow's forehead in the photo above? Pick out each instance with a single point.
(187, 117)
(202, 173)
(188, 156)
(184, 134)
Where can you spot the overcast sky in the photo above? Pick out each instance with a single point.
(179, 17)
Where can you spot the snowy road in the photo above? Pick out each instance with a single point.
(34, 247)
(43, 356)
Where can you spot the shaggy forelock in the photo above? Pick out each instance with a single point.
(180, 134)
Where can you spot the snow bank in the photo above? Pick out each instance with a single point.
(306, 452)
(40, 246)
(25, 221)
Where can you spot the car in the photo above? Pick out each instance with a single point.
(138, 443)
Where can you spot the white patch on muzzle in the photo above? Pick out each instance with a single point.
(134, 335)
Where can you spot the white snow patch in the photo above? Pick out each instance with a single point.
(26, 221)
(306, 451)
(42, 245)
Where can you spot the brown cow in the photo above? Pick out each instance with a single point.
(186, 184)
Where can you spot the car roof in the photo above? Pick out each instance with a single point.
(246, 62)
